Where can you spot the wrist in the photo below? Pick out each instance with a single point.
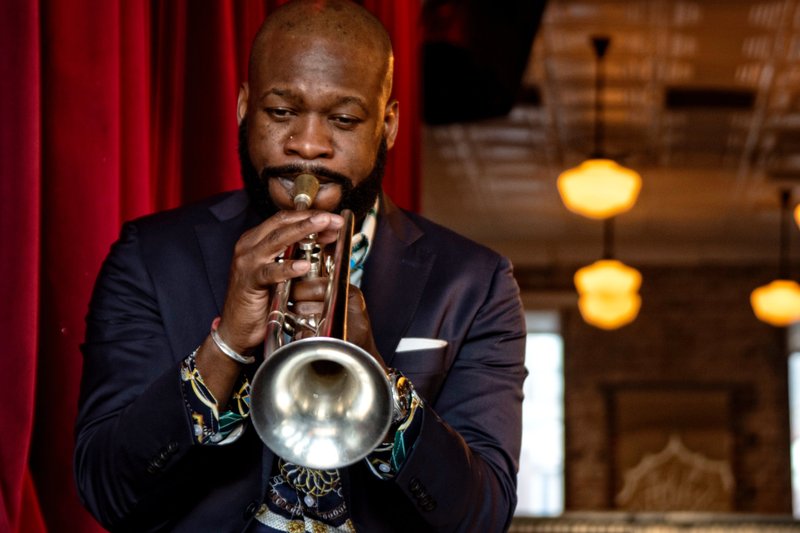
(402, 390)
(233, 352)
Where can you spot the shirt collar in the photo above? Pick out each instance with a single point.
(361, 244)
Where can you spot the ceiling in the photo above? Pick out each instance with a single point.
(702, 98)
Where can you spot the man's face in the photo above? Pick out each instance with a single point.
(357, 199)
(316, 106)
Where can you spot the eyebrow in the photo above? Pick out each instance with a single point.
(291, 95)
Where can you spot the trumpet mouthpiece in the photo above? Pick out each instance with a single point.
(304, 191)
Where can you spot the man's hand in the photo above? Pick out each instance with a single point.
(254, 271)
(308, 297)
(359, 328)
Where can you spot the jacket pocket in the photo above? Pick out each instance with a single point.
(425, 368)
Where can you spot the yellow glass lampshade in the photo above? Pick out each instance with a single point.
(608, 291)
(608, 310)
(599, 188)
(797, 214)
(777, 303)
(607, 276)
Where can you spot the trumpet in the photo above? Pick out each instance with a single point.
(318, 400)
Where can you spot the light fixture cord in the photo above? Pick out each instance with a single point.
(608, 238)
(600, 44)
(783, 252)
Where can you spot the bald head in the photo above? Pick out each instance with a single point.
(340, 21)
(318, 100)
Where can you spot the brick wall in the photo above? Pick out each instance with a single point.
(695, 329)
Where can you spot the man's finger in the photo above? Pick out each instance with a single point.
(309, 289)
(274, 242)
(274, 272)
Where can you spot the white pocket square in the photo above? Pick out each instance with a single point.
(409, 344)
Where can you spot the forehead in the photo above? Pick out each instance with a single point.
(317, 65)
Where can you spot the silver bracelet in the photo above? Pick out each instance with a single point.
(227, 350)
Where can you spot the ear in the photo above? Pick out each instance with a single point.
(391, 118)
(241, 102)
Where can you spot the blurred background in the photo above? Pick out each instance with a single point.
(684, 406)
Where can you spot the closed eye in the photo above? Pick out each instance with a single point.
(345, 122)
(279, 113)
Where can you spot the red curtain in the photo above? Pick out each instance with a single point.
(19, 257)
(112, 110)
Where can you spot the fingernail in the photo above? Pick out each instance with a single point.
(300, 265)
(320, 218)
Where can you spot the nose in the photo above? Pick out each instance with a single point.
(310, 139)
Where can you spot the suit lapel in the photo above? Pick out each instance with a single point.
(218, 238)
(395, 275)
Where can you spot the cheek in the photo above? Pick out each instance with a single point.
(280, 196)
(361, 160)
(328, 198)
(264, 145)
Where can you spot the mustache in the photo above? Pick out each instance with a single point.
(294, 170)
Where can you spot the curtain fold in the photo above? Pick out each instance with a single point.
(112, 110)
(82, 154)
(137, 190)
(403, 166)
(19, 257)
(208, 129)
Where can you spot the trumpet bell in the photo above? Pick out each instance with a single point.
(321, 402)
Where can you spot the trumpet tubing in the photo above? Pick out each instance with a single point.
(320, 401)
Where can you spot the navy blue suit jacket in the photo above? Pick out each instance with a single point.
(136, 463)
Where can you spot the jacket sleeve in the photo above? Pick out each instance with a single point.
(135, 463)
(462, 471)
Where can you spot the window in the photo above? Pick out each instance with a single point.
(794, 424)
(793, 341)
(540, 485)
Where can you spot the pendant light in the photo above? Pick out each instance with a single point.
(797, 215)
(778, 302)
(608, 289)
(599, 187)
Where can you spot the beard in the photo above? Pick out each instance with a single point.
(358, 199)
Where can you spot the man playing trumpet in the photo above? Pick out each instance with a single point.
(179, 316)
